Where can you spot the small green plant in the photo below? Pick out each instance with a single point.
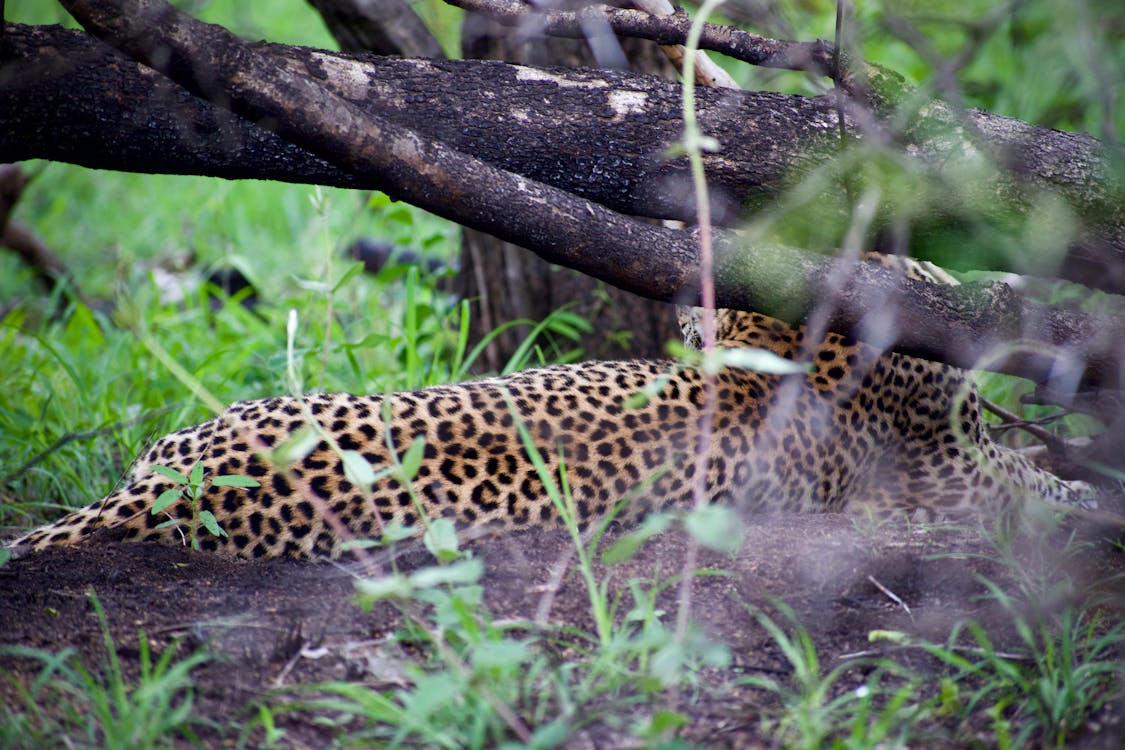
(68, 705)
(264, 719)
(818, 712)
(191, 488)
(1064, 671)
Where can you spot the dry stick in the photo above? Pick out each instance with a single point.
(554, 579)
(1014, 421)
(976, 650)
(34, 252)
(892, 596)
(707, 73)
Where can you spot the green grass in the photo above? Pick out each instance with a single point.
(68, 704)
(888, 708)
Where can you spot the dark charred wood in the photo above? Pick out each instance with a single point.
(958, 325)
(600, 135)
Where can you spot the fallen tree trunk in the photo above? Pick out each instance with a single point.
(599, 135)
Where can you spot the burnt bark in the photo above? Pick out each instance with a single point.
(957, 325)
(600, 135)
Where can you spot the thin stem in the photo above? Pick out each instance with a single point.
(693, 143)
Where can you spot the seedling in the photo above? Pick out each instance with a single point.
(191, 488)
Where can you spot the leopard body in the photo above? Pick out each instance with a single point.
(861, 432)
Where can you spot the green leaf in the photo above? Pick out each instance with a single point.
(552, 734)
(501, 654)
(170, 473)
(891, 636)
(642, 397)
(625, 547)
(312, 285)
(441, 540)
(357, 469)
(716, 527)
(400, 214)
(396, 531)
(207, 518)
(412, 459)
(166, 498)
(359, 544)
(370, 341)
(378, 200)
(372, 590)
(680, 351)
(196, 476)
(235, 480)
(352, 271)
(300, 443)
(668, 662)
(663, 721)
(458, 574)
(761, 360)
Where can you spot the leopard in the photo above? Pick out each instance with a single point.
(854, 430)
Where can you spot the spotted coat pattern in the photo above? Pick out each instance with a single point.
(861, 432)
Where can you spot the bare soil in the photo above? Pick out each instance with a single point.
(268, 619)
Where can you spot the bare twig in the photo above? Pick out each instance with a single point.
(707, 73)
(975, 650)
(554, 580)
(31, 250)
(693, 142)
(1013, 421)
(892, 596)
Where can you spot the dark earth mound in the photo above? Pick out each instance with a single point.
(268, 619)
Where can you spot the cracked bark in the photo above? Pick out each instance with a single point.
(957, 325)
(71, 98)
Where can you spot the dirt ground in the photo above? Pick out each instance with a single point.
(260, 615)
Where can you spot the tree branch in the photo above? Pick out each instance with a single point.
(960, 324)
(70, 98)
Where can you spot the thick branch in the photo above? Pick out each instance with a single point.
(70, 98)
(654, 261)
